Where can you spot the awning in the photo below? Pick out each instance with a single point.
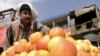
(84, 10)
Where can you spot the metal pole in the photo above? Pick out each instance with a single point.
(53, 23)
(68, 18)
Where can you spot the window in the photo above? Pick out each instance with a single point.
(6, 19)
(62, 24)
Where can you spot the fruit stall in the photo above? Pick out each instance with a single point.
(56, 43)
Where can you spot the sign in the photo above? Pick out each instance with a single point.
(68, 30)
(2, 35)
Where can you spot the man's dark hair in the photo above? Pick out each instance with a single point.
(25, 7)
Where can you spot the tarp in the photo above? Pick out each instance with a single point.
(2, 35)
(92, 37)
(84, 10)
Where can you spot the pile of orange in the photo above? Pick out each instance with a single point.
(56, 43)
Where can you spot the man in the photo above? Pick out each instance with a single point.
(25, 25)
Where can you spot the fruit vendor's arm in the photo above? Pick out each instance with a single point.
(10, 35)
(42, 28)
(45, 29)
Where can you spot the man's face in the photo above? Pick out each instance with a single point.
(26, 16)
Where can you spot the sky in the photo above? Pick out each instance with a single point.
(51, 8)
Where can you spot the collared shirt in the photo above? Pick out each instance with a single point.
(27, 30)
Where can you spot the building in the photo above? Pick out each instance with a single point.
(56, 21)
(86, 19)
